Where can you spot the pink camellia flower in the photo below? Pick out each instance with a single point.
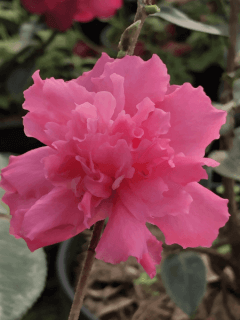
(121, 143)
(59, 14)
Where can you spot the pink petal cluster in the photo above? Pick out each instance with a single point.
(121, 143)
(59, 14)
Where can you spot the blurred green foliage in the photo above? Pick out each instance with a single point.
(22, 36)
(220, 190)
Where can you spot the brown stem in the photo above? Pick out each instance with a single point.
(233, 25)
(129, 39)
(226, 142)
(83, 277)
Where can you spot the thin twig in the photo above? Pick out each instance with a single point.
(130, 35)
(87, 266)
(226, 142)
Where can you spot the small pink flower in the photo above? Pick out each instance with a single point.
(121, 143)
(59, 14)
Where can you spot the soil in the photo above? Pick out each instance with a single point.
(112, 293)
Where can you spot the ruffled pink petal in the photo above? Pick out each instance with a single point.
(101, 211)
(172, 88)
(113, 84)
(136, 87)
(105, 105)
(156, 124)
(142, 196)
(125, 125)
(125, 236)
(100, 188)
(18, 207)
(207, 213)
(16, 177)
(191, 106)
(85, 207)
(143, 109)
(150, 154)
(116, 87)
(153, 197)
(47, 222)
(78, 126)
(51, 100)
(86, 78)
(188, 169)
(54, 131)
(114, 161)
(61, 169)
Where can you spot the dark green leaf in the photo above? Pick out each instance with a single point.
(181, 19)
(23, 273)
(184, 277)
(229, 160)
(17, 79)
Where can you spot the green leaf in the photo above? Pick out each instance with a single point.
(23, 274)
(179, 18)
(11, 46)
(10, 15)
(63, 41)
(4, 101)
(236, 188)
(229, 160)
(145, 279)
(184, 277)
(4, 160)
(201, 59)
(19, 77)
(220, 189)
(224, 249)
